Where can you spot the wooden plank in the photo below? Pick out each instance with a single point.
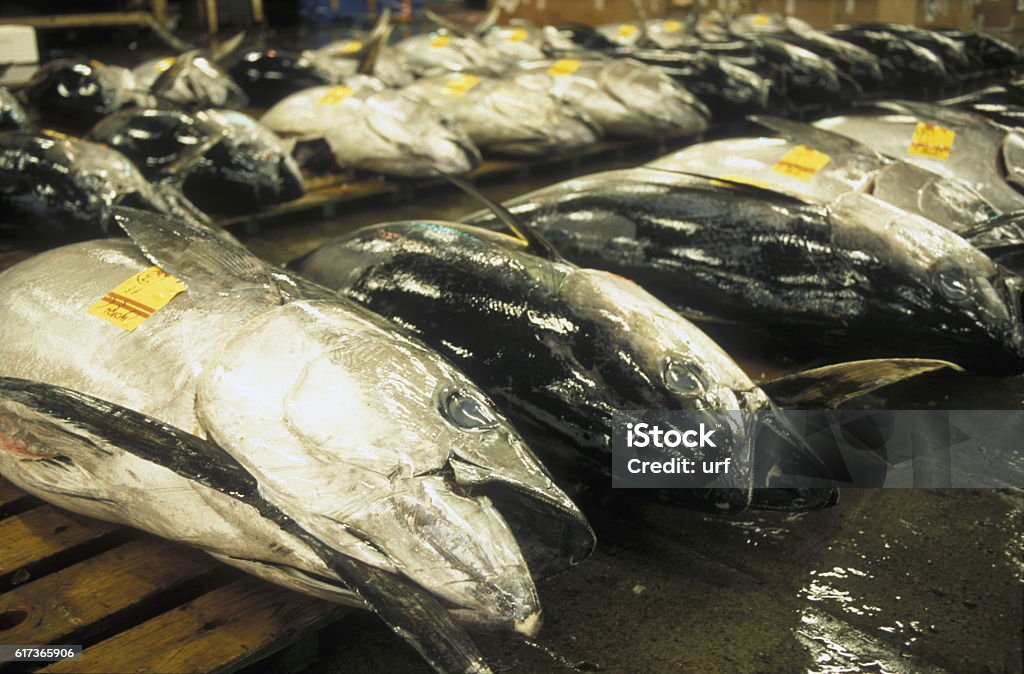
(91, 592)
(233, 625)
(82, 20)
(43, 532)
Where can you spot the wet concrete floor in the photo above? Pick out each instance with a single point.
(886, 581)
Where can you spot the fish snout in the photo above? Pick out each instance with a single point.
(292, 184)
(457, 547)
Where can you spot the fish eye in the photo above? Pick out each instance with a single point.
(954, 284)
(468, 412)
(686, 379)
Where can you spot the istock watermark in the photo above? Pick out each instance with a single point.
(816, 448)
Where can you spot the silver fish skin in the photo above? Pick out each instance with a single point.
(946, 201)
(338, 60)
(977, 153)
(368, 127)
(440, 52)
(517, 43)
(504, 117)
(625, 97)
(264, 377)
(77, 471)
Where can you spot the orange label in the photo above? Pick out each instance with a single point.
(130, 304)
(460, 84)
(335, 95)
(801, 162)
(931, 141)
(563, 67)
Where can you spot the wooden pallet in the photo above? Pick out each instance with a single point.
(136, 602)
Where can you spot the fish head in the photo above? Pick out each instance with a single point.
(254, 155)
(952, 289)
(644, 88)
(377, 446)
(1012, 154)
(69, 85)
(649, 358)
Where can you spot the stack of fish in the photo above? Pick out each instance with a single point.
(336, 428)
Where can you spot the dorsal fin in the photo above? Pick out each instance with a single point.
(823, 140)
(221, 51)
(750, 188)
(375, 42)
(445, 22)
(197, 255)
(535, 243)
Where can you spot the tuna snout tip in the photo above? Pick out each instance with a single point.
(530, 625)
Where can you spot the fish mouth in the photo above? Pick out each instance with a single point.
(787, 474)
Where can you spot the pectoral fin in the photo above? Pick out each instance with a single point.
(198, 255)
(832, 385)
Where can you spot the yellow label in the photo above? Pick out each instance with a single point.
(352, 47)
(57, 135)
(801, 162)
(335, 95)
(96, 64)
(440, 41)
(627, 30)
(460, 84)
(724, 181)
(762, 20)
(129, 305)
(932, 141)
(563, 67)
(517, 35)
(163, 65)
(672, 26)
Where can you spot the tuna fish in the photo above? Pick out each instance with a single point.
(860, 275)
(443, 51)
(951, 142)
(820, 166)
(903, 62)
(73, 185)
(192, 80)
(624, 97)
(371, 129)
(587, 344)
(505, 117)
(413, 491)
(224, 160)
(71, 95)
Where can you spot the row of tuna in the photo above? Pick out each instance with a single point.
(430, 103)
(403, 417)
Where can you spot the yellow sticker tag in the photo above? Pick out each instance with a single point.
(627, 30)
(57, 135)
(672, 26)
(96, 64)
(762, 20)
(932, 141)
(801, 162)
(440, 41)
(335, 95)
(563, 67)
(129, 305)
(517, 35)
(728, 181)
(352, 47)
(163, 65)
(460, 84)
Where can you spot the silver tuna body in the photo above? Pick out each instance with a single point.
(359, 435)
